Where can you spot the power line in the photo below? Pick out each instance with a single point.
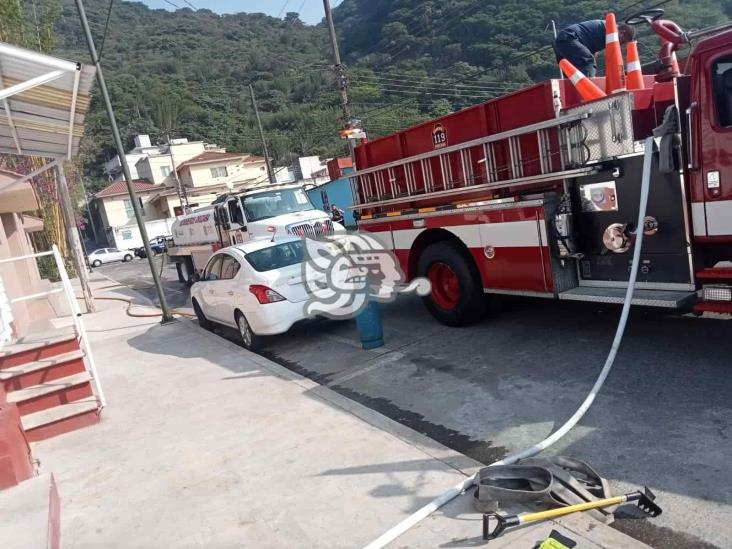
(425, 83)
(435, 94)
(283, 8)
(191, 5)
(439, 90)
(171, 3)
(302, 4)
(106, 28)
(444, 28)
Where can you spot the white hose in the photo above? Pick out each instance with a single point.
(455, 491)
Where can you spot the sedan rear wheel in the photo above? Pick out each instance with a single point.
(96, 263)
(249, 339)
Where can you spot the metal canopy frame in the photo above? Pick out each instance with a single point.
(44, 102)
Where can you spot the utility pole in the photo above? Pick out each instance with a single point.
(182, 194)
(88, 210)
(340, 75)
(167, 317)
(339, 68)
(72, 235)
(270, 172)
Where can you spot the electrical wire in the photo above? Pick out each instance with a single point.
(106, 28)
(468, 80)
(283, 9)
(442, 89)
(411, 82)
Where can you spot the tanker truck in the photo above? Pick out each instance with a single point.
(235, 218)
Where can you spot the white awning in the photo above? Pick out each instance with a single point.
(44, 101)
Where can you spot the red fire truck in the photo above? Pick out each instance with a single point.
(536, 193)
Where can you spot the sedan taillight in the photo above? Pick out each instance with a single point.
(265, 295)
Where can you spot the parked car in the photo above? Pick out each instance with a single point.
(108, 255)
(256, 287)
(158, 245)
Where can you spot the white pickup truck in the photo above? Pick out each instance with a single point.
(275, 210)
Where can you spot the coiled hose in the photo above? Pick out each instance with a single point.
(455, 491)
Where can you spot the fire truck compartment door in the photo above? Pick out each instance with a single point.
(606, 211)
(513, 253)
(712, 171)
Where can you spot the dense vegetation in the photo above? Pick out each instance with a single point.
(187, 72)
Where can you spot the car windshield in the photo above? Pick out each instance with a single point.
(276, 257)
(273, 203)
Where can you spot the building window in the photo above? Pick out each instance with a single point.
(219, 172)
(165, 171)
(129, 210)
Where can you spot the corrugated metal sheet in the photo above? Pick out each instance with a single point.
(40, 116)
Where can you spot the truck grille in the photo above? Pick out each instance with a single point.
(314, 230)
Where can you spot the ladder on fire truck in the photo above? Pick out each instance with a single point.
(561, 154)
(576, 143)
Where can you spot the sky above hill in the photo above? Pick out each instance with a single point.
(311, 11)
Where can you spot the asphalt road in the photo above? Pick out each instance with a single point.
(663, 418)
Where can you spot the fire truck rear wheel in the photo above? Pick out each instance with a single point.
(457, 292)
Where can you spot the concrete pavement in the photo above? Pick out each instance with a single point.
(204, 444)
(661, 420)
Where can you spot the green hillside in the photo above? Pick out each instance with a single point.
(186, 72)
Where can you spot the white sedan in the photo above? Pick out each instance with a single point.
(256, 287)
(109, 255)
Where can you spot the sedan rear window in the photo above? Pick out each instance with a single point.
(276, 257)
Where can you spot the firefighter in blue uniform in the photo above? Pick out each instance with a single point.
(579, 43)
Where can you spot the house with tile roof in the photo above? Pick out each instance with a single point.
(204, 171)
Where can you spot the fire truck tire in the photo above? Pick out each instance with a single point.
(457, 292)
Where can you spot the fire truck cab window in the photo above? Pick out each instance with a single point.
(235, 212)
(273, 203)
(722, 81)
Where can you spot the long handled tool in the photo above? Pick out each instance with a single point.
(645, 501)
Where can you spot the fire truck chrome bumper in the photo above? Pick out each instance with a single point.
(648, 298)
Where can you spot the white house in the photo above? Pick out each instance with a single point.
(143, 148)
(204, 171)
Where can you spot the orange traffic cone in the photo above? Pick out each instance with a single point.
(585, 87)
(634, 72)
(614, 69)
